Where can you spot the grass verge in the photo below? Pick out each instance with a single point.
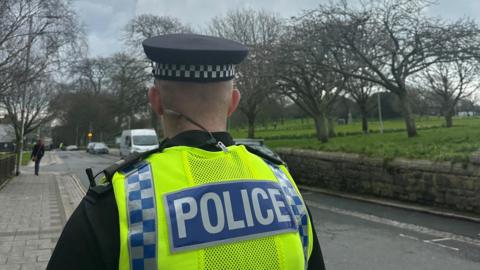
(26, 157)
(433, 142)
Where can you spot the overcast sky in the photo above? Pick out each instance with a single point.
(104, 19)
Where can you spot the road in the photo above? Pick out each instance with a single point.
(75, 163)
(353, 234)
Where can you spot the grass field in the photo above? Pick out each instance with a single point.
(26, 158)
(434, 142)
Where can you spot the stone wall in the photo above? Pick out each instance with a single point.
(443, 184)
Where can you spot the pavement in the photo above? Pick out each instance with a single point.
(353, 234)
(33, 211)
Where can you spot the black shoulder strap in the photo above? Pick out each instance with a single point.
(263, 155)
(124, 163)
(131, 160)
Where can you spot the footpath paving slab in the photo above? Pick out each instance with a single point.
(33, 211)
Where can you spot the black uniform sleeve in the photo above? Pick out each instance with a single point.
(77, 247)
(315, 261)
(91, 238)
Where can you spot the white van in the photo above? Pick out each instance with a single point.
(137, 140)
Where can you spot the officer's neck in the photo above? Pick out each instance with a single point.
(171, 129)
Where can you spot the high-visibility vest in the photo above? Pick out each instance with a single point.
(187, 208)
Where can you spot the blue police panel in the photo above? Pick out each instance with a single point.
(225, 212)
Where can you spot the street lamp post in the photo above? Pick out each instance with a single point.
(24, 93)
(380, 112)
(24, 88)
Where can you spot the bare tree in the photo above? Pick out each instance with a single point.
(393, 40)
(80, 112)
(361, 91)
(115, 84)
(128, 85)
(146, 26)
(302, 76)
(260, 31)
(15, 17)
(27, 110)
(448, 83)
(38, 35)
(91, 74)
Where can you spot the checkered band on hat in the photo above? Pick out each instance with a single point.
(142, 223)
(199, 73)
(296, 204)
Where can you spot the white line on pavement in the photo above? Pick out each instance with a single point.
(79, 184)
(397, 224)
(440, 245)
(440, 239)
(408, 236)
(432, 242)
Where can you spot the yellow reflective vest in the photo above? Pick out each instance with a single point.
(187, 208)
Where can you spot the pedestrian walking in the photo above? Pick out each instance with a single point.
(199, 201)
(37, 154)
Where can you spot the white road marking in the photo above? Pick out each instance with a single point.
(409, 236)
(79, 184)
(440, 239)
(440, 245)
(397, 224)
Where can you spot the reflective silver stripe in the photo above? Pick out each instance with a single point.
(142, 221)
(297, 205)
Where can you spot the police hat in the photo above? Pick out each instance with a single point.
(191, 57)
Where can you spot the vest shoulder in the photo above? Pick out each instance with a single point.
(127, 164)
(264, 155)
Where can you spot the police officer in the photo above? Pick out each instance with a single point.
(199, 201)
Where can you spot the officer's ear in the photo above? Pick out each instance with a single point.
(155, 100)
(235, 100)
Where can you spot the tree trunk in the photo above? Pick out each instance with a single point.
(363, 112)
(449, 119)
(19, 145)
(331, 128)
(251, 126)
(365, 124)
(408, 116)
(321, 128)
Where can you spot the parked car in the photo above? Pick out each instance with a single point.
(258, 144)
(90, 147)
(137, 140)
(71, 148)
(99, 148)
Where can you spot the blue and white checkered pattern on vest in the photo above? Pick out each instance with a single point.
(296, 204)
(142, 223)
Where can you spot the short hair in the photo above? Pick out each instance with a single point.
(196, 99)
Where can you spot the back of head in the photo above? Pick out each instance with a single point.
(200, 101)
(194, 105)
